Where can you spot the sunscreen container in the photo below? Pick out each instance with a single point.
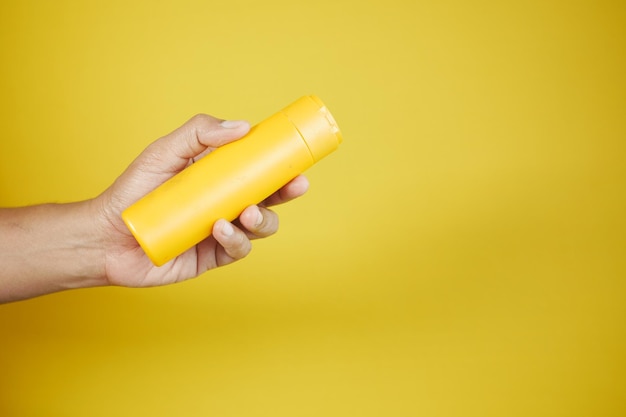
(182, 211)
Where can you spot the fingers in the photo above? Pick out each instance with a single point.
(233, 243)
(200, 133)
(295, 188)
(258, 222)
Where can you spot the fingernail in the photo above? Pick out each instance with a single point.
(233, 124)
(227, 229)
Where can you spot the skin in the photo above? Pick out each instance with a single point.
(54, 247)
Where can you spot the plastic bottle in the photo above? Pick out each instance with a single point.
(182, 211)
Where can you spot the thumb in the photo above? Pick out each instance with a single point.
(200, 134)
(169, 155)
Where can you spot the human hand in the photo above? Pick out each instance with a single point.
(125, 263)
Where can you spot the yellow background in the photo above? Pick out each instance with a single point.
(462, 254)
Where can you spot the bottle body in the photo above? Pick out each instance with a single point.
(181, 212)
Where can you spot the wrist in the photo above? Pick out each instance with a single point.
(85, 245)
(49, 248)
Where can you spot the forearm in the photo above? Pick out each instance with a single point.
(49, 248)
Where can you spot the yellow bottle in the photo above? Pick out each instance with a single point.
(181, 212)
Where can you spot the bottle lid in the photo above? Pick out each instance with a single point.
(316, 125)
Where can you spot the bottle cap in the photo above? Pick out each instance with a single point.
(315, 124)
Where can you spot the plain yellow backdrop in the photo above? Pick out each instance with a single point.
(462, 254)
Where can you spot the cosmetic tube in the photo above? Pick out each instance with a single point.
(181, 212)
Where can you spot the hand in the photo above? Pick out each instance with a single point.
(125, 263)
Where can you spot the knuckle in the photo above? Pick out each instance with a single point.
(243, 248)
(239, 247)
(247, 249)
(270, 223)
(202, 122)
(201, 118)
